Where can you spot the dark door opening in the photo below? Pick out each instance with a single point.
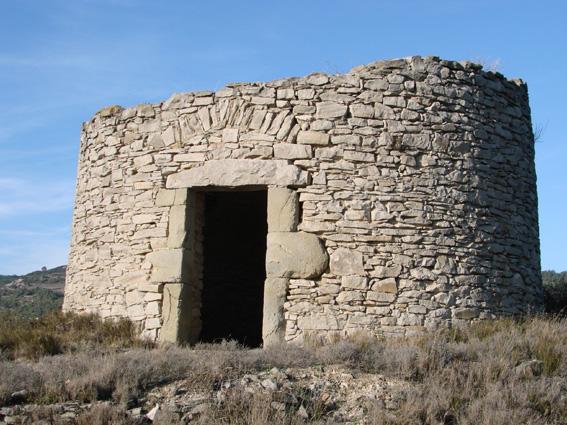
(234, 254)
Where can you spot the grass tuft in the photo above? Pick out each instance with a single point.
(58, 332)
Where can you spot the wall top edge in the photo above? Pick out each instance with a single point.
(416, 64)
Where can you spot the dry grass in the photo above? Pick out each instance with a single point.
(98, 414)
(470, 377)
(240, 408)
(106, 414)
(57, 333)
(463, 376)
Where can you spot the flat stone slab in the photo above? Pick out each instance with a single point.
(167, 265)
(283, 209)
(295, 255)
(273, 325)
(345, 262)
(239, 172)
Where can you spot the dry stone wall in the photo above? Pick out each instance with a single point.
(412, 188)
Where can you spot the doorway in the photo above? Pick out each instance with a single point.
(234, 254)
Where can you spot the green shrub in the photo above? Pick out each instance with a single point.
(555, 292)
(29, 302)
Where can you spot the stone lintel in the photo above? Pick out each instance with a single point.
(239, 172)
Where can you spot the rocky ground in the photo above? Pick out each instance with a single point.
(333, 394)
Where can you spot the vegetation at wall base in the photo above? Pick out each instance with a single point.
(58, 333)
(65, 368)
(492, 372)
(555, 291)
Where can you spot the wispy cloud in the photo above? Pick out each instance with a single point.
(18, 196)
(9, 183)
(29, 233)
(57, 61)
(32, 231)
(26, 152)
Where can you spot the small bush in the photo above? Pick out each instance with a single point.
(59, 332)
(555, 292)
(106, 414)
(17, 377)
(241, 408)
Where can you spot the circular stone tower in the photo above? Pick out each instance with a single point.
(398, 197)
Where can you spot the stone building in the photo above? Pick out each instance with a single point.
(398, 197)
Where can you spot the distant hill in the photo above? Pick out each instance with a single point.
(33, 294)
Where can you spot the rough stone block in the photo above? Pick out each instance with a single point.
(283, 210)
(292, 151)
(385, 285)
(167, 265)
(359, 156)
(153, 323)
(295, 255)
(346, 139)
(144, 218)
(168, 136)
(306, 94)
(230, 135)
(354, 282)
(135, 312)
(170, 312)
(152, 296)
(318, 79)
(181, 196)
(380, 297)
(330, 110)
(346, 262)
(362, 111)
(132, 280)
(190, 157)
(273, 325)
(349, 296)
(156, 142)
(133, 297)
(313, 138)
(465, 313)
(152, 308)
(178, 226)
(318, 322)
(382, 271)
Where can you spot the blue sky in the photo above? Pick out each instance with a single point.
(62, 60)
